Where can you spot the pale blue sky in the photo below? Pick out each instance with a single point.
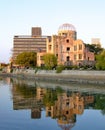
(18, 16)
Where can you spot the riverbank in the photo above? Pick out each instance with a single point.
(75, 76)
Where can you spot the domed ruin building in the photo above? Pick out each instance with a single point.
(67, 48)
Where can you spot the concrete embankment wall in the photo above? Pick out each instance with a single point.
(81, 76)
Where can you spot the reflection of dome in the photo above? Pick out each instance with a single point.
(66, 126)
(66, 27)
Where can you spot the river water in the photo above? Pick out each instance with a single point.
(34, 105)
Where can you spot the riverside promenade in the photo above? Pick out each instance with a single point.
(74, 76)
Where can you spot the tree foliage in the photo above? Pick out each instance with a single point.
(51, 96)
(50, 61)
(25, 91)
(26, 59)
(100, 103)
(100, 61)
(95, 48)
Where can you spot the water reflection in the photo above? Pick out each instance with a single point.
(62, 105)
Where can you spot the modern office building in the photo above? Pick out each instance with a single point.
(36, 31)
(29, 43)
(67, 48)
(96, 41)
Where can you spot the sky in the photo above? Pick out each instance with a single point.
(17, 17)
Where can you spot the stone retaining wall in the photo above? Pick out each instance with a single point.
(81, 76)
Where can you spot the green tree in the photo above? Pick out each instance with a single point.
(25, 91)
(97, 49)
(100, 103)
(51, 96)
(26, 59)
(50, 61)
(100, 61)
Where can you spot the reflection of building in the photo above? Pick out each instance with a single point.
(88, 99)
(40, 93)
(67, 48)
(67, 105)
(35, 113)
(66, 126)
(21, 101)
(66, 108)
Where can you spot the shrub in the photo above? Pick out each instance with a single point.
(59, 68)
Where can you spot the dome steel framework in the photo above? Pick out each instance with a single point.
(67, 26)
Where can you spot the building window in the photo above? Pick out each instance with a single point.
(49, 47)
(64, 34)
(84, 56)
(42, 65)
(67, 58)
(67, 103)
(49, 114)
(67, 112)
(75, 48)
(41, 58)
(79, 107)
(80, 46)
(75, 57)
(80, 56)
(68, 49)
(67, 40)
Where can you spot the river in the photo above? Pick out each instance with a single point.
(39, 105)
